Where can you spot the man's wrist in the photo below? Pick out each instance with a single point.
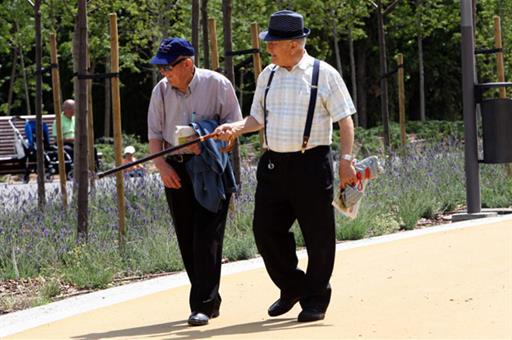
(347, 157)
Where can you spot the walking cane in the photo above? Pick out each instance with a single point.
(158, 154)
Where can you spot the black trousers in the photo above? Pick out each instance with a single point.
(297, 186)
(200, 234)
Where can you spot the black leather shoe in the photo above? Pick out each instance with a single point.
(282, 306)
(310, 314)
(215, 314)
(198, 319)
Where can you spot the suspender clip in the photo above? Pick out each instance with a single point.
(304, 144)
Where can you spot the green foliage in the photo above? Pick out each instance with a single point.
(49, 290)
(87, 267)
(153, 252)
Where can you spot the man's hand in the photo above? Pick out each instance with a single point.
(347, 173)
(228, 131)
(169, 176)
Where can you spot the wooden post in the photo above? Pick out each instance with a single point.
(401, 97)
(499, 55)
(256, 60)
(116, 109)
(212, 32)
(58, 117)
(501, 68)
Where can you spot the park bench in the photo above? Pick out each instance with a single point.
(9, 161)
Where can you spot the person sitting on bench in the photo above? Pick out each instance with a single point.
(68, 126)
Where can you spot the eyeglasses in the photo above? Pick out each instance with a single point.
(169, 67)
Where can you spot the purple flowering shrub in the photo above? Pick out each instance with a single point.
(417, 183)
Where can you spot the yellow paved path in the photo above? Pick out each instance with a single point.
(456, 283)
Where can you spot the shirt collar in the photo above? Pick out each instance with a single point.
(195, 79)
(305, 62)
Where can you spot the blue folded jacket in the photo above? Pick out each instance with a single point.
(211, 172)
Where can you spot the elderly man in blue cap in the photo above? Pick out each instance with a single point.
(296, 101)
(187, 94)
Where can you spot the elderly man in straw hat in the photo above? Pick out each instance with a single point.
(296, 101)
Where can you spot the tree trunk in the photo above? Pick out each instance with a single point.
(383, 74)
(353, 74)
(204, 23)
(421, 68)
(195, 27)
(108, 110)
(11, 80)
(41, 193)
(362, 88)
(423, 114)
(336, 47)
(81, 166)
(229, 72)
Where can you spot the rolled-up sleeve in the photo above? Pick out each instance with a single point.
(338, 101)
(156, 114)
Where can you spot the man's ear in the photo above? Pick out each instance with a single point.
(189, 63)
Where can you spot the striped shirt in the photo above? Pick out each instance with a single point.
(210, 95)
(288, 101)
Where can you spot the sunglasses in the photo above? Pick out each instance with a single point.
(167, 68)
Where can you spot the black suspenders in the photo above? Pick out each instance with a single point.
(311, 107)
(265, 102)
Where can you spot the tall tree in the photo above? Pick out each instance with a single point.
(195, 27)
(41, 192)
(204, 25)
(229, 71)
(345, 18)
(421, 68)
(81, 159)
(381, 14)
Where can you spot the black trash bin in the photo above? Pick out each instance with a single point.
(497, 130)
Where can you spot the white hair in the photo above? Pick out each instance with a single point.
(301, 42)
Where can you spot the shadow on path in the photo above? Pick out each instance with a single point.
(181, 330)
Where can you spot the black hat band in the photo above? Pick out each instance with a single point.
(285, 34)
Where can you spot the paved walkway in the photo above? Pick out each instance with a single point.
(453, 281)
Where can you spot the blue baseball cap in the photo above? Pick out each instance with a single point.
(171, 49)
